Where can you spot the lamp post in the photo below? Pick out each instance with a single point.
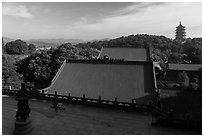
(22, 122)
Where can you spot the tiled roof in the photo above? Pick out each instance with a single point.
(185, 67)
(130, 54)
(123, 80)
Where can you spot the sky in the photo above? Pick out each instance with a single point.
(98, 20)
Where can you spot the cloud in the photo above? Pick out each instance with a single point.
(16, 10)
(135, 7)
(48, 26)
(147, 18)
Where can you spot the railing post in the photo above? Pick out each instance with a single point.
(84, 98)
(69, 96)
(115, 102)
(99, 99)
(55, 101)
(55, 95)
(43, 92)
(133, 103)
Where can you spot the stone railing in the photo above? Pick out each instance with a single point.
(81, 100)
(162, 118)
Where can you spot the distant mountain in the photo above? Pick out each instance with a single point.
(105, 39)
(40, 44)
(59, 41)
(53, 42)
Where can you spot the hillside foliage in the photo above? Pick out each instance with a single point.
(19, 47)
(10, 76)
(39, 68)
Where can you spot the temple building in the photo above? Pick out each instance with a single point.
(109, 79)
(126, 53)
(180, 32)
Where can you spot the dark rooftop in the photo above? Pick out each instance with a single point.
(124, 80)
(130, 54)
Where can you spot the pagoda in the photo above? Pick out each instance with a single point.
(180, 32)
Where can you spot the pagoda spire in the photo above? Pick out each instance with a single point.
(180, 32)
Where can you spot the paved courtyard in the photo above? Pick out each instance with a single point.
(81, 119)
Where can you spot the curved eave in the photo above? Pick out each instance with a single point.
(180, 26)
(180, 29)
(180, 34)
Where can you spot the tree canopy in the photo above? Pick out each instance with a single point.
(19, 47)
(10, 76)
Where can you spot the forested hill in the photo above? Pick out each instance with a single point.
(164, 48)
(39, 68)
(138, 41)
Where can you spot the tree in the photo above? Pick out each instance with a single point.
(31, 48)
(40, 68)
(193, 50)
(17, 47)
(36, 69)
(10, 77)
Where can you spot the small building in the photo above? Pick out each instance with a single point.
(129, 54)
(193, 71)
